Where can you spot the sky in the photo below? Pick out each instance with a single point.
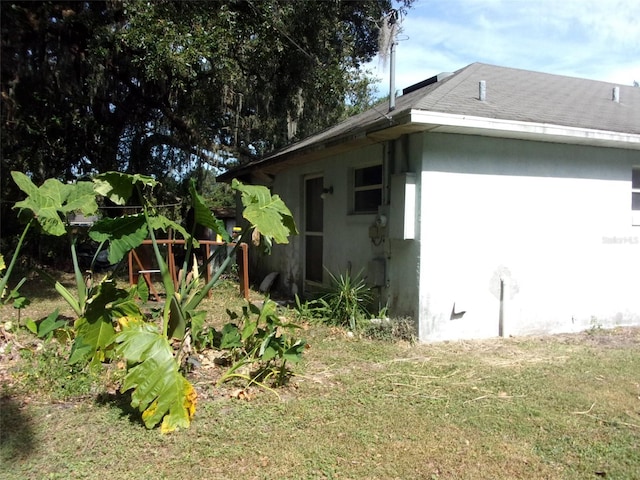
(594, 39)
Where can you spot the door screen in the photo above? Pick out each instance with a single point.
(314, 214)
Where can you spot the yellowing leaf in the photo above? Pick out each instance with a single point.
(150, 411)
(127, 321)
(190, 400)
(160, 391)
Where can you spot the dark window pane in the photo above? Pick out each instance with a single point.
(368, 176)
(635, 178)
(368, 200)
(313, 258)
(635, 201)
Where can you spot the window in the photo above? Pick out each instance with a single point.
(635, 195)
(367, 189)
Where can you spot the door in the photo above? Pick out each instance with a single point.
(313, 229)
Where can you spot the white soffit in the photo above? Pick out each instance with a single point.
(495, 127)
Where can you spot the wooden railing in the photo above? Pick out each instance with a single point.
(137, 266)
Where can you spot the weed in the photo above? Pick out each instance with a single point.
(596, 326)
(310, 310)
(45, 370)
(391, 329)
(51, 326)
(206, 337)
(259, 342)
(348, 300)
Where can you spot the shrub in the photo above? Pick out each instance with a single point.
(348, 300)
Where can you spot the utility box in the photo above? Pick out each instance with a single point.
(402, 212)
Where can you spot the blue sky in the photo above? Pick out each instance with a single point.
(595, 39)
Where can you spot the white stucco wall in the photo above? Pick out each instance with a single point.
(554, 219)
(346, 240)
(346, 236)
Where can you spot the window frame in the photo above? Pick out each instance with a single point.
(369, 187)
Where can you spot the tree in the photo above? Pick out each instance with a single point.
(160, 88)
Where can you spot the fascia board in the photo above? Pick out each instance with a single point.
(437, 121)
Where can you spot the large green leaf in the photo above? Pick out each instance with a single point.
(82, 198)
(295, 351)
(93, 340)
(177, 322)
(203, 215)
(266, 212)
(95, 331)
(50, 202)
(160, 391)
(49, 324)
(117, 186)
(123, 234)
(231, 337)
(160, 222)
(197, 322)
(25, 184)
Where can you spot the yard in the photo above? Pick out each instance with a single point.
(564, 406)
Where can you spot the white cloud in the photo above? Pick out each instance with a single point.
(597, 39)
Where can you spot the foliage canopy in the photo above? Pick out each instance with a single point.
(166, 87)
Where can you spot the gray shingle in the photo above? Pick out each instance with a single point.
(521, 95)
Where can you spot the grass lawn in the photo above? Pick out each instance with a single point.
(556, 407)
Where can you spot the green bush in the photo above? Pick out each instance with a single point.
(260, 342)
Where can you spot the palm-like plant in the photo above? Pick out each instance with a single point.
(348, 299)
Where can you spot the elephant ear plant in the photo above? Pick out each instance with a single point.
(47, 207)
(111, 322)
(158, 387)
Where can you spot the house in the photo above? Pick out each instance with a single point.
(489, 201)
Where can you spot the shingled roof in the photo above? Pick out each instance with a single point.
(514, 94)
(518, 104)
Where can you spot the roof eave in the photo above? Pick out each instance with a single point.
(315, 150)
(544, 132)
(413, 120)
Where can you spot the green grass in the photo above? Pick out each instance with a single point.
(520, 408)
